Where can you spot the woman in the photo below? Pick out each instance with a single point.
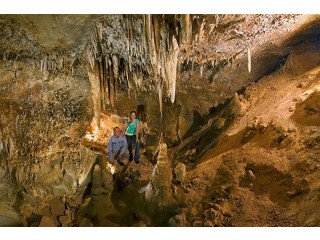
(132, 136)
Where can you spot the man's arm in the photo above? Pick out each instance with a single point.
(110, 149)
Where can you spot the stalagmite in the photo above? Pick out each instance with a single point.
(102, 188)
(249, 60)
(158, 191)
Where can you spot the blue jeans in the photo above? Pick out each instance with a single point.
(132, 140)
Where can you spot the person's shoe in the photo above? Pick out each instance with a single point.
(137, 161)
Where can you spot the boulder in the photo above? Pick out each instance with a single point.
(45, 211)
(303, 58)
(57, 207)
(219, 123)
(65, 220)
(47, 222)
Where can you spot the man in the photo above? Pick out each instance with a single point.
(118, 147)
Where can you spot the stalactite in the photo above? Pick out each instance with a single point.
(201, 70)
(111, 82)
(41, 65)
(196, 38)
(144, 37)
(102, 83)
(129, 83)
(15, 67)
(160, 97)
(90, 59)
(157, 34)
(115, 63)
(96, 95)
(60, 63)
(11, 148)
(45, 64)
(100, 30)
(33, 64)
(152, 47)
(213, 63)
(172, 69)
(106, 83)
(147, 26)
(186, 28)
(115, 66)
(153, 54)
(127, 78)
(249, 60)
(73, 59)
(215, 24)
(94, 45)
(201, 31)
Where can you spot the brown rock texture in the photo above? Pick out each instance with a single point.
(232, 99)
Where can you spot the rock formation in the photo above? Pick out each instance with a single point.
(158, 193)
(235, 97)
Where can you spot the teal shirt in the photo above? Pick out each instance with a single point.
(132, 128)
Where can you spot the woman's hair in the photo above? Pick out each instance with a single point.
(134, 113)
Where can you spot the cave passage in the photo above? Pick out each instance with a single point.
(228, 109)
